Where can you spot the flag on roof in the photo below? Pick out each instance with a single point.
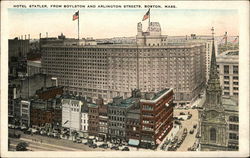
(146, 16)
(76, 15)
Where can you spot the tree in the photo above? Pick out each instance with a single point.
(22, 146)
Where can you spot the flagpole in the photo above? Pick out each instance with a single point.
(78, 23)
(149, 18)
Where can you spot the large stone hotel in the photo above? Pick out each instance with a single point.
(87, 68)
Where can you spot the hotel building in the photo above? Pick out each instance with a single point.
(111, 70)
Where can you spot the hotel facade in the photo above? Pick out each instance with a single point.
(110, 70)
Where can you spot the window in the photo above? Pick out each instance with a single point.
(147, 107)
(226, 69)
(236, 88)
(235, 77)
(234, 118)
(233, 136)
(233, 127)
(236, 94)
(235, 83)
(213, 134)
(226, 77)
(235, 69)
(226, 82)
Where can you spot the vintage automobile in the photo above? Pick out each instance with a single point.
(114, 148)
(125, 148)
(105, 146)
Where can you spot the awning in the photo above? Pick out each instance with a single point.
(133, 142)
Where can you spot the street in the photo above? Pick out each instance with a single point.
(190, 138)
(43, 143)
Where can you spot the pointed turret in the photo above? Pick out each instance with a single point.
(213, 90)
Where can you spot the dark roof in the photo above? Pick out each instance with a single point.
(124, 103)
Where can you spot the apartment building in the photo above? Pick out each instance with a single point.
(228, 66)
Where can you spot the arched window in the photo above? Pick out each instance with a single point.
(213, 134)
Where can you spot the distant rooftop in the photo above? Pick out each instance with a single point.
(233, 53)
(230, 104)
(229, 53)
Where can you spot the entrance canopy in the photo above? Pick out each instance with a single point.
(133, 142)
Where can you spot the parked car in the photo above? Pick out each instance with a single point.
(125, 148)
(27, 132)
(86, 143)
(181, 119)
(191, 131)
(177, 122)
(105, 146)
(79, 141)
(182, 113)
(190, 116)
(93, 146)
(114, 148)
(194, 126)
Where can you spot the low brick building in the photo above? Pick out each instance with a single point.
(50, 92)
(46, 112)
(156, 117)
(133, 127)
(103, 120)
(93, 121)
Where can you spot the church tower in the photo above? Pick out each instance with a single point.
(213, 121)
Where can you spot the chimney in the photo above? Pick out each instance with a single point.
(21, 36)
(29, 36)
(40, 35)
(46, 34)
(25, 37)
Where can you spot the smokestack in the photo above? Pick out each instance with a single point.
(29, 36)
(21, 36)
(25, 37)
(46, 34)
(40, 35)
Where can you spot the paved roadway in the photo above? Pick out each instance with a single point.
(190, 138)
(44, 143)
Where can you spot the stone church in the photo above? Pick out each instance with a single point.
(214, 127)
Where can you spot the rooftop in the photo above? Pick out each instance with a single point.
(46, 89)
(229, 53)
(92, 105)
(234, 53)
(230, 104)
(124, 102)
(154, 96)
(103, 46)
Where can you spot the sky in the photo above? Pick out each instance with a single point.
(107, 23)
